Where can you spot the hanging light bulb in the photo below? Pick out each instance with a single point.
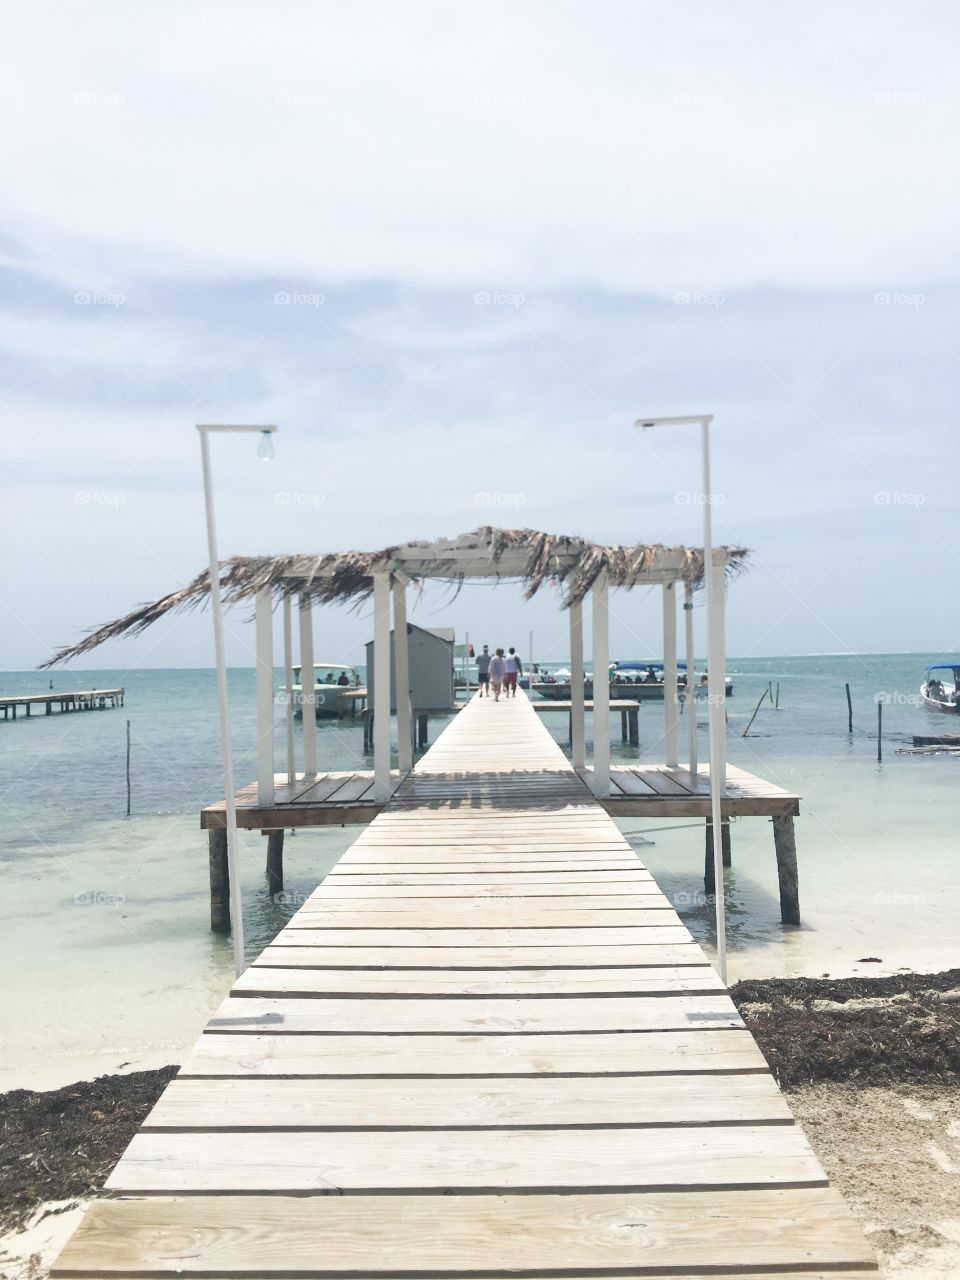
(265, 450)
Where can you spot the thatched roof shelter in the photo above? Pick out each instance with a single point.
(523, 555)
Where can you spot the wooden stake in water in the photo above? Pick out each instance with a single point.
(879, 730)
(776, 705)
(128, 768)
(754, 716)
(849, 710)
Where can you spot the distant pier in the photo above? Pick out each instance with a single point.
(75, 700)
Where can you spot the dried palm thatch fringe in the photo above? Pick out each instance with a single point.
(341, 577)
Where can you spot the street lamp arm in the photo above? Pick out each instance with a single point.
(689, 420)
(220, 428)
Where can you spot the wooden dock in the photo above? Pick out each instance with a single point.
(73, 700)
(629, 709)
(644, 791)
(485, 1047)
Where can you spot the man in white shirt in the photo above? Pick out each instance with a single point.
(512, 669)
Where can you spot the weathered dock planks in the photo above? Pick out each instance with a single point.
(485, 1047)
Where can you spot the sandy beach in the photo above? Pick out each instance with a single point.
(869, 1066)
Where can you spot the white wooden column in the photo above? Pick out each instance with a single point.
(670, 730)
(715, 669)
(401, 667)
(601, 687)
(265, 761)
(288, 685)
(577, 698)
(718, 660)
(691, 683)
(308, 693)
(381, 686)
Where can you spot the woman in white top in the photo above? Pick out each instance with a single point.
(497, 671)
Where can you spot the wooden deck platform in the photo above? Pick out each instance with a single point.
(642, 791)
(655, 791)
(315, 800)
(485, 1047)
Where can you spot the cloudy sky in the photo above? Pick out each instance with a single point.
(453, 253)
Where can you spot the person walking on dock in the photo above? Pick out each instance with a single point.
(483, 671)
(498, 669)
(513, 668)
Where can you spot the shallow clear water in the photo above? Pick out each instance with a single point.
(105, 918)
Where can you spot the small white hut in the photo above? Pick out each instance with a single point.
(430, 669)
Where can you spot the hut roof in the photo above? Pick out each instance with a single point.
(525, 555)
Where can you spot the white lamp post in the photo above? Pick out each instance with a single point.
(265, 452)
(714, 668)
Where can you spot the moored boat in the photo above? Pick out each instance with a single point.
(935, 694)
(640, 681)
(337, 690)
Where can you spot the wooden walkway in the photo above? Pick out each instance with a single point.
(70, 700)
(485, 1047)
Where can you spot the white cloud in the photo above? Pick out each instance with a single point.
(626, 145)
(593, 161)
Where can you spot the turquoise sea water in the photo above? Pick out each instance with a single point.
(105, 918)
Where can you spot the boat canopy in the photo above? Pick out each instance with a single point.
(946, 666)
(644, 666)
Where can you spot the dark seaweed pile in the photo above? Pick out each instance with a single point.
(909, 1033)
(62, 1144)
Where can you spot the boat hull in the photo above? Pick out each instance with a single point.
(336, 702)
(934, 704)
(560, 692)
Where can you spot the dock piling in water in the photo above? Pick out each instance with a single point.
(785, 843)
(219, 880)
(274, 862)
(709, 874)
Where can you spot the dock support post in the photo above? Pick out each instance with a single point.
(670, 728)
(308, 691)
(423, 730)
(288, 684)
(265, 756)
(274, 863)
(601, 686)
(633, 721)
(717, 667)
(785, 843)
(623, 724)
(401, 667)
(381, 686)
(577, 692)
(709, 873)
(219, 880)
